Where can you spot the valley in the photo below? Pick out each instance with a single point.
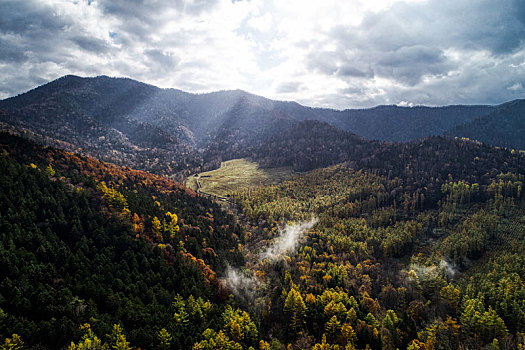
(236, 175)
(357, 229)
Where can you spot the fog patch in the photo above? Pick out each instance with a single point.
(288, 239)
(448, 269)
(444, 268)
(240, 283)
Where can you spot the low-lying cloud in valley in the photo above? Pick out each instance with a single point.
(288, 239)
(243, 283)
(444, 268)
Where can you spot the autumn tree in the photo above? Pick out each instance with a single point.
(117, 338)
(164, 339)
(13, 343)
(389, 331)
(295, 309)
(157, 229)
(238, 326)
(170, 224)
(89, 340)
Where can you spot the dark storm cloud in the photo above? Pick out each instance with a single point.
(497, 26)
(406, 62)
(140, 18)
(24, 27)
(323, 62)
(40, 41)
(13, 80)
(348, 70)
(143, 9)
(30, 29)
(333, 63)
(161, 63)
(11, 52)
(165, 59)
(29, 17)
(409, 64)
(90, 44)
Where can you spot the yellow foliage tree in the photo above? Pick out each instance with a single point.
(13, 343)
(170, 224)
(157, 229)
(295, 308)
(89, 340)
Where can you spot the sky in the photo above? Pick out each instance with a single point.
(321, 53)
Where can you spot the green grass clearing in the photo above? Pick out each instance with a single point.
(237, 175)
(191, 182)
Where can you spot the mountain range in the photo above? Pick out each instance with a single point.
(401, 228)
(168, 131)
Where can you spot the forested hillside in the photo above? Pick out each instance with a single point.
(388, 267)
(425, 252)
(85, 242)
(311, 144)
(503, 127)
(395, 123)
(171, 132)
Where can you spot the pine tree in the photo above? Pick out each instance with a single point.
(295, 308)
(164, 339)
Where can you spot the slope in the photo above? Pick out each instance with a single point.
(394, 123)
(504, 127)
(166, 130)
(88, 242)
(387, 266)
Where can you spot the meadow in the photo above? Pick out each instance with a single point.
(237, 175)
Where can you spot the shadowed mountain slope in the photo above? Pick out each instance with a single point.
(503, 127)
(169, 131)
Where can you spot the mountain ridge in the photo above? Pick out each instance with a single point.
(171, 132)
(227, 91)
(503, 127)
(223, 99)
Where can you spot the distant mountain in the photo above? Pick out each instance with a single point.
(96, 116)
(394, 123)
(422, 163)
(132, 123)
(505, 126)
(168, 131)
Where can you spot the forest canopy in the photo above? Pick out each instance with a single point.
(422, 253)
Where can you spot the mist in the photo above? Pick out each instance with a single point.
(241, 283)
(429, 272)
(288, 240)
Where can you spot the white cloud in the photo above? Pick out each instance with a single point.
(516, 87)
(329, 53)
(262, 23)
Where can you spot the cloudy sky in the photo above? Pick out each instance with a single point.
(340, 54)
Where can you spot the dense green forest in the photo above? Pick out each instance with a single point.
(87, 242)
(502, 127)
(388, 267)
(418, 246)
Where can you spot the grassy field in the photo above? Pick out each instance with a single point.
(235, 175)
